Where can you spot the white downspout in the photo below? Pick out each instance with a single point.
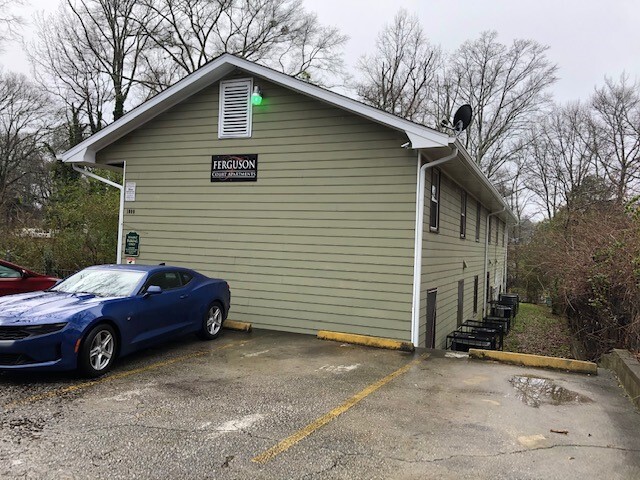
(121, 211)
(417, 259)
(486, 256)
(506, 257)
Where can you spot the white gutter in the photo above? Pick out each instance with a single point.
(486, 256)
(417, 259)
(87, 173)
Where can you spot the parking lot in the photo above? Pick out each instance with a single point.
(274, 405)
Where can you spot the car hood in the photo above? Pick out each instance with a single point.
(44, 307)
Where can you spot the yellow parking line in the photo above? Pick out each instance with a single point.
(290, 441)
(116, 376)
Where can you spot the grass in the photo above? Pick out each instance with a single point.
(537, 331)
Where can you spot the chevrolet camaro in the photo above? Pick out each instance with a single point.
(105, 312)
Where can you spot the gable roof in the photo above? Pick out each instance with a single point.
(420, 137)
(84, 152)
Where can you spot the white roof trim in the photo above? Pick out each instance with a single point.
(421, 137)
(85, 152)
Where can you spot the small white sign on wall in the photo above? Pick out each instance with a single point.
(130, 191)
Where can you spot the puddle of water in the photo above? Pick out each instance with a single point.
(534, 391)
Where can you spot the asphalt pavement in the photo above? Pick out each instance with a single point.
(269, 405)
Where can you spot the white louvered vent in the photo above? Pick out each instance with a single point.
(235, 109)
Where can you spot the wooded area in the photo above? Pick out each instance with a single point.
(570, 171)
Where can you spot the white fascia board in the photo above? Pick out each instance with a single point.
(85, 151)
(420, 142)
(420, 136)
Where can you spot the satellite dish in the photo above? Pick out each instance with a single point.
(462, 118)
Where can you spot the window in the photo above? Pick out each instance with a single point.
(234, 119)
(434, 219)
(186, 277)
(463, 214)
(478, 213)
(497, 229)
(102, 281)
(6, 272)
(164, 280)
(489, 232)
(475, 294)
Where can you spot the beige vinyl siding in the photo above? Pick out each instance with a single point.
(323, 240)
(445, 255)
(497, 258)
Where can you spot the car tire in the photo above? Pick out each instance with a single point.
(98, 351)
(212, 322)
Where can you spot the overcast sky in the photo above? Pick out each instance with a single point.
(588, 39)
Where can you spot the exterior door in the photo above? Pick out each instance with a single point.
(430, 341)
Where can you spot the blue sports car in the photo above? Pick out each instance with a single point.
(104, 312)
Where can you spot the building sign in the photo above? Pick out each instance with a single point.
(132, 244)
(130, 191)
(234, 168)
(131, 261)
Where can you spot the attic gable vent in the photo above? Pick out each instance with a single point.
(235, 109)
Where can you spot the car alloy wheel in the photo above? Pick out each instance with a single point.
(98, 351)
(101, 350)
(214, 320)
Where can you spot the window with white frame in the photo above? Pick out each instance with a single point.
(234, 119)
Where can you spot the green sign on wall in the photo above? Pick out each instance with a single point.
(132, 244)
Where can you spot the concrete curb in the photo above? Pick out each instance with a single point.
(241, 326)
(528, 360)
(366, 340)
(627, 369)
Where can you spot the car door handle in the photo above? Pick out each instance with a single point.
(182, 297)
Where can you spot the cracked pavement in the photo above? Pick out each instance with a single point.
(209, 415)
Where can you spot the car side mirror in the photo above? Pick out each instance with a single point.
(152, 290)
(24, 274)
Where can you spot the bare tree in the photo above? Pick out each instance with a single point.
(276, 33)
(23, 113)
(560, 157)
(88, 55)
(64, 66)
(506, 86)
(540, 173)
(109, 31)
(399, 77)
(616, 125)
(9, 21)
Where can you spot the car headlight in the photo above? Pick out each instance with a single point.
(44, 329)
(14, 332)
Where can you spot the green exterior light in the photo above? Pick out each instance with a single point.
(256, 96)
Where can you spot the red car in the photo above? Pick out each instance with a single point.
(15, 279)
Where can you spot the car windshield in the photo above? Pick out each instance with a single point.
(101, 282)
